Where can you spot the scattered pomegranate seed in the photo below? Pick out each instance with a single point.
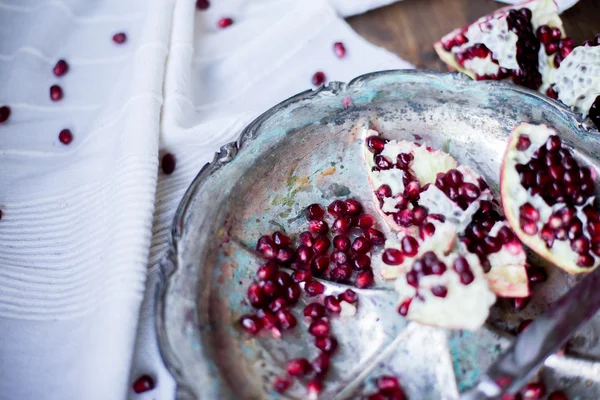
(403, 308)
(537, 275)
(321, 365)
(168, 163)
(314, 311)
(392, 257)
(202, 4)
(281, 385)
(558, 395)
(321, 245)
(375, 236)
(343, 224)
(326, 344)
(306, 239)
(56, 93)
(65, 136)
(361, 262)
(339, 49)
(286, 319)
(337, 208)
(251, 323)
(341, 242)
(314, 388)
(366, 221)
(225, 22)
(301, 276)
(361, 245)
(314, 212)
(281, 239)
(4, 113)
(319, 328)
(298, 367)
(119, 38)
(318, 78)
(319, 227)
(349, 296)
(534, 391)
(143, 384)
(332, 304)
(60, 68)
(387, 383)
(314, 288)
(364, 279)
(353, 207)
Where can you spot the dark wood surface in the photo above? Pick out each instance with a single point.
(410, 27)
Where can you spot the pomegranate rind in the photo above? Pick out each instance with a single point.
(464, 306)
(514, 195)
(544, 12)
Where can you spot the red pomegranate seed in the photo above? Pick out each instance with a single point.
(341, 242)
(410, 246)
(376, 144)
(529, 212)
(321, 364)
(523, 143)
(332, 304)
(4, 113)
(349, 296)
(375, 236)
(281, 239)
(168, 165)
(339, 49)
(387, 383)
(326, 344)
(285, 256)
(404, 306)
(305, 254)
(384, 191)
(119, 38)
(439, 291)
(320, 264)
(319, 328)
(256, 295)
(60, 68)
(65, 136)
(340, 273)
(281, 385)
(523, 325)
(361, 261)
(293, 293)
(314, 388)
(251, 323)
(278, 304)
(224, 22)
(338, 257)
(143, 384)
(427, 230)
(301, 276)
(314, 311)
(534, 390)
(466, 277)
(319, 227)
(306, 238)
(366, 221)
(318, 78)
(361, 245)
(56, 93)
(364, 279)
(353, 207)
(286, 319)
(337, 208)
(412, 190)
(519, 303)
(314, 288)
(202, 4)
(321, 245)
(392, 257)
(537, 275)
(265, 245)
(342, 224)
(377, 396)
(298, 367)
(314, 212)
(558, 395)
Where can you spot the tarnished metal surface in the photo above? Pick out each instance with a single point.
(305, 150)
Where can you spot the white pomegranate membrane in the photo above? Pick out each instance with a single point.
(447, 210)
(548, 198)
(524, 42)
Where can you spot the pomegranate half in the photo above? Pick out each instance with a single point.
(436, 205)
(548, 199)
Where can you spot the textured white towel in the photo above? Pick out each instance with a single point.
(84, 225)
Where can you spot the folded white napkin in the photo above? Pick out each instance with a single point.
(83, 222)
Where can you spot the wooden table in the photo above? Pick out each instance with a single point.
(410, 27)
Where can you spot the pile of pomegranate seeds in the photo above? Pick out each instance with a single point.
(60, 68)
(119, 38)
(65, 136)
(168, 163)
(389, 389)
(567, 190)
(4, 114)
(340, 254)
(318, 78)
(143, 384)
(225, 22)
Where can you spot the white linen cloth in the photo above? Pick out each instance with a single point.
(562, 4)
(84, 225)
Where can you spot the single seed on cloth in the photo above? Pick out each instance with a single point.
(202, 4)
(318, 78)
(143, 384)
(339, 49)
(225, 22)
(65, 136)
(168, 163)
(60, 68)
(56, 93)
(4, 114)
(119, 38)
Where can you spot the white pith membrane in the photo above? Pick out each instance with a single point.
(577, 79)
(553, 226)
(493, 32)
(448, 239)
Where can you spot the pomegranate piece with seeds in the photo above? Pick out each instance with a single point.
(521, 43)
(548, 199)
(449, 291)
(436, 204)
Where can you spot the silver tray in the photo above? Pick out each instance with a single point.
(303, 151)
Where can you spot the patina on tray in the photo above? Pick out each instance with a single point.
(305, 150)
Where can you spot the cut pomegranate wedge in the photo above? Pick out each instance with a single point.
(577, 80)
(548, 199)
(437, 205)
(449, 291)
(520, 42)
